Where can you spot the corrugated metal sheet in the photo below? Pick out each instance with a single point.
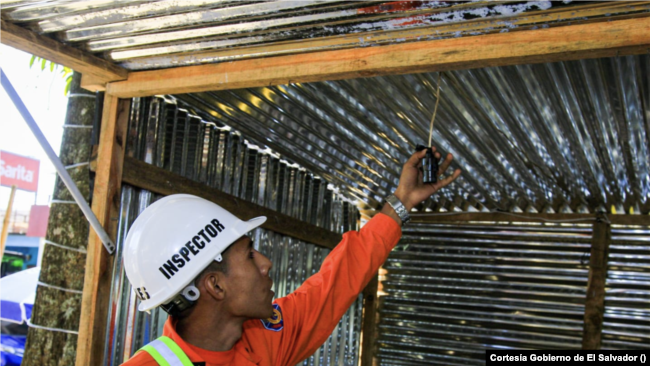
(478, 288)
(452, 291)
(557, 137)
(165, 33)
(166, 135)
(626, 323)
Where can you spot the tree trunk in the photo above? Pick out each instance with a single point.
(67, 227)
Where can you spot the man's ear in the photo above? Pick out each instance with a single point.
(213, 285)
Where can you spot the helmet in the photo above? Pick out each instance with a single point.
(173, 240)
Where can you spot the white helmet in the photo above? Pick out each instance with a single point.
(173, 240)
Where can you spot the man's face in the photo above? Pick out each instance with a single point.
(248, 285)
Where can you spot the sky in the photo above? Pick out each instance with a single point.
(43, 94)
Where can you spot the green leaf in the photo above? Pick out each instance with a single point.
(32, 60)
(68, 83)
(43, 61)
(52, 65)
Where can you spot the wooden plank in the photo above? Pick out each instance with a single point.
(603, 39)
(595, 302)
(369, 322)
(92, 84)
(49, 49)
(106, 201)
(149, 177)
(640, 220)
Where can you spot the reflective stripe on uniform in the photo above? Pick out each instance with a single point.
(167, 353)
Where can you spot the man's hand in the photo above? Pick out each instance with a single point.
(411, 191)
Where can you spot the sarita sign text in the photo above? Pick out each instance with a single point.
(19, 171)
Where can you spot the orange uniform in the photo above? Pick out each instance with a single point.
(304, 319)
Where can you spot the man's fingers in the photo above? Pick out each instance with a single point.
(445, 164)
(447, 180)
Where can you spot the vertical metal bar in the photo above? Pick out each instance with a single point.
(131, 147)
(240, 158)
(273, 183)
(185, 148)
(151, 134)
(595, 302)
(307, 195)
(194, 147)
(222, 135)
(229, 163)
(262, 175)
(173, 149)
(161, 145)
(317, 201)
(298, 193)
(205, 153)
(283, 186)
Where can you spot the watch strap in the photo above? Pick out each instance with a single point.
(399, 208)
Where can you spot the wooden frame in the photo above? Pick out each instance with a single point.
(369, 322)
(601, 237)
(632, 36)
(604, 39)
(106, 205)
(597, 39)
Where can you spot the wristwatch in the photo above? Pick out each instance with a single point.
(399, 208)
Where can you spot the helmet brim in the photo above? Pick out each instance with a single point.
(253, 224)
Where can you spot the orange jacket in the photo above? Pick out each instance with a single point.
(308, 316)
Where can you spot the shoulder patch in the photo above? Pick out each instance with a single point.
(274, 323)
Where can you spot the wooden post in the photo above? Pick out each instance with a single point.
(595, 302)
(369, 326)
(5, 223)
(106, 201)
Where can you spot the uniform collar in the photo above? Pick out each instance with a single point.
(197, 354)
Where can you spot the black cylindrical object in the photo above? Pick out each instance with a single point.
(429, 165)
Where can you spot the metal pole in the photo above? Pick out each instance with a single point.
(65, 177)
(5, 224)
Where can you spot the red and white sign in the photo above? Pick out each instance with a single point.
(18, 170)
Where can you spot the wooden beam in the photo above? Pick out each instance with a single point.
(106, 205)
(595, 302)
(158, 180)
(49, 49)
(603, 39)
(369, 322)
(639, 220)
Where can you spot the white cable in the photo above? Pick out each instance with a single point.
(77, 165)
(80, 250)
(81, 95)
(63, 201)
(59, 288)
(76, 126)
(32, 325)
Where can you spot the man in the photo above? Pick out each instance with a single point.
(192, 258)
